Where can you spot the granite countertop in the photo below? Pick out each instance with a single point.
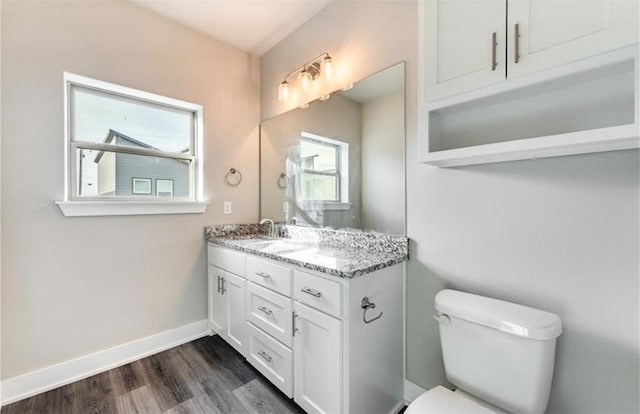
(345, 254)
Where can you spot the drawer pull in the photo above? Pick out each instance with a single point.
(311, 292)
(264, 275)
(516, 38)
(219, 283)
(494, 44)
(265, 356)
(265, 310)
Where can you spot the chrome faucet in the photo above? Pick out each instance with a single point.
(272, 231)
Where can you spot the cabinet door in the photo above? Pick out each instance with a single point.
(317, 363)
(457, 49)
(552, 33)
(217, 301)
(234, 290)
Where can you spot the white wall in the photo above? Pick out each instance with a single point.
(559, 234)
(72, 286)
(383, 201)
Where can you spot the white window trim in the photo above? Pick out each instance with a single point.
(133, 185)
(71, 207)
(165, 180)
(343, 203)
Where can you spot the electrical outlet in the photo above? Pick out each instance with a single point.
(227, 207)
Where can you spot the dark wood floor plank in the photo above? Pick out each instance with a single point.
(206, 376)
(138, 401)
(126, 378)
(258, 396)
(166, 383)
(93, 395)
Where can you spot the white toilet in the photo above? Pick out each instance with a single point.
(498, 354)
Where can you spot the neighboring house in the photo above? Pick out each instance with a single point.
(140, 176)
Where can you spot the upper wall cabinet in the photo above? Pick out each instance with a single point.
(516, 79)
(464, 45)
(469, 44)
(545, 33)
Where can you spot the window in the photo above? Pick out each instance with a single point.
(141, 186)
(324, 169)
(121, 140)
(164, 188)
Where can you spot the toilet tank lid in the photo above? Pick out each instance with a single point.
(508, 317)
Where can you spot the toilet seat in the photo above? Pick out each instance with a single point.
(440, 400)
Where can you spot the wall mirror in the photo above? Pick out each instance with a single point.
(340, 162)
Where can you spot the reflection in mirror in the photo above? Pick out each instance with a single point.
(340, 162)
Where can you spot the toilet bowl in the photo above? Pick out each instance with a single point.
(499, 355)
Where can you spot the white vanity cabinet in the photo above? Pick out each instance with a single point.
(226, 296)
(466, 45)
(304, 331)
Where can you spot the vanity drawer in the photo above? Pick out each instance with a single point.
(322, 294)
(271, 358)
(271, 312)
(269, 275)
(226, 259)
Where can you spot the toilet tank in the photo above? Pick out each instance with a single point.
(498, 351)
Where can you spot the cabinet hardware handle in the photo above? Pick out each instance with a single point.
(264, 275)
(265, 356)
(494, 44)
(265, 310)
(516, 39)
(311, 292)
(293, 323)
(219, 283)
(222, 289)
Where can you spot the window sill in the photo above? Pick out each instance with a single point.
(130, 208)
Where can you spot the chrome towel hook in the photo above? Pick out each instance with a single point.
(233, 177)
(366, 305)
(283, 180)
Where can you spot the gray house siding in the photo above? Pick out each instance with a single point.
(130, 166)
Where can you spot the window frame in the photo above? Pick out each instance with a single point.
(168, 180)
(342, 173)
(133, 185)
(75, 205)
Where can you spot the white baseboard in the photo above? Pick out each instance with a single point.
(412, 391)
(45, 379)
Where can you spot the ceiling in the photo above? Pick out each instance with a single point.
(254, 26)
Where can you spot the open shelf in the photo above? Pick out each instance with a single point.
(590, 106)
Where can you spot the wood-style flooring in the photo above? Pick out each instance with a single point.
(203, 376)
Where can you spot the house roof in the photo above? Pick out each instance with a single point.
(112, 134)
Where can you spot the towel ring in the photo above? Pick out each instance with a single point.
(283, 181)
(366, 305)
(233, 182)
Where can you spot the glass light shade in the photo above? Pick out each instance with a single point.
(325, 97)
(304, 105)
(283, 91)
(327, 67)
(305, 79)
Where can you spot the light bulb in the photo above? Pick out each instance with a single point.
(327, 67)
(283, 91)
(305, 79)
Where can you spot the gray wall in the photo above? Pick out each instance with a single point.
(559, 234)
(63, 294)
(383, 202)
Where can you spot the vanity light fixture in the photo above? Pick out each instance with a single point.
(319, 66)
